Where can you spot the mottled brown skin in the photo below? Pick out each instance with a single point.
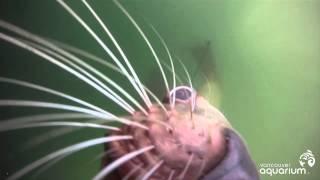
(198, 133)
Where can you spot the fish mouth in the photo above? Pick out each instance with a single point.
(190, 145)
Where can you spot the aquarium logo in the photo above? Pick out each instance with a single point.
(306, 160)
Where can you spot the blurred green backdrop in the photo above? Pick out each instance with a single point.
(261, 60)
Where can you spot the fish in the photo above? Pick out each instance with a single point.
(177, 136)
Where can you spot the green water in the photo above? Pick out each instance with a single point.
(263, 64)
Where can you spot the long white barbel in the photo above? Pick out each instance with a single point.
(101, 61)
(106, 170)
(152, 170)
(105, 28)
(104, 47)
(147, 42)
(50, 91)
(111, 94)
(72, 57)
(59, 123)
(69, 149)
(43, 117)
(54, 61)
(26, 103)
(164, 44)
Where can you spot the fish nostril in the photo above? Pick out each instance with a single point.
(182, 93)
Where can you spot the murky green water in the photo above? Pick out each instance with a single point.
(261, 60)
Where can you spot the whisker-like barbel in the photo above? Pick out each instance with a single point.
(49, 164)
(58, 132)
(69, 149)
(152, 170)
(61, 123)
(102, 62)
(124, 57)
(41, 104)
(105, 171)
(183, 173)
(103, 154)
(164, 44)
(171, 175)
(131, 172)
(86, 54)
(72, 57)
(146, 89)
(19, 43)
(202, 166)
(168, 67)
(147, 42)
(14, 102)
(43, 117)
(157, 100)
(104, 47)
(186, 71)
(111, 94)
(46, 56)
(48, 135)
(50, 91)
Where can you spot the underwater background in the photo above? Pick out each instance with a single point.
(257, 61)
